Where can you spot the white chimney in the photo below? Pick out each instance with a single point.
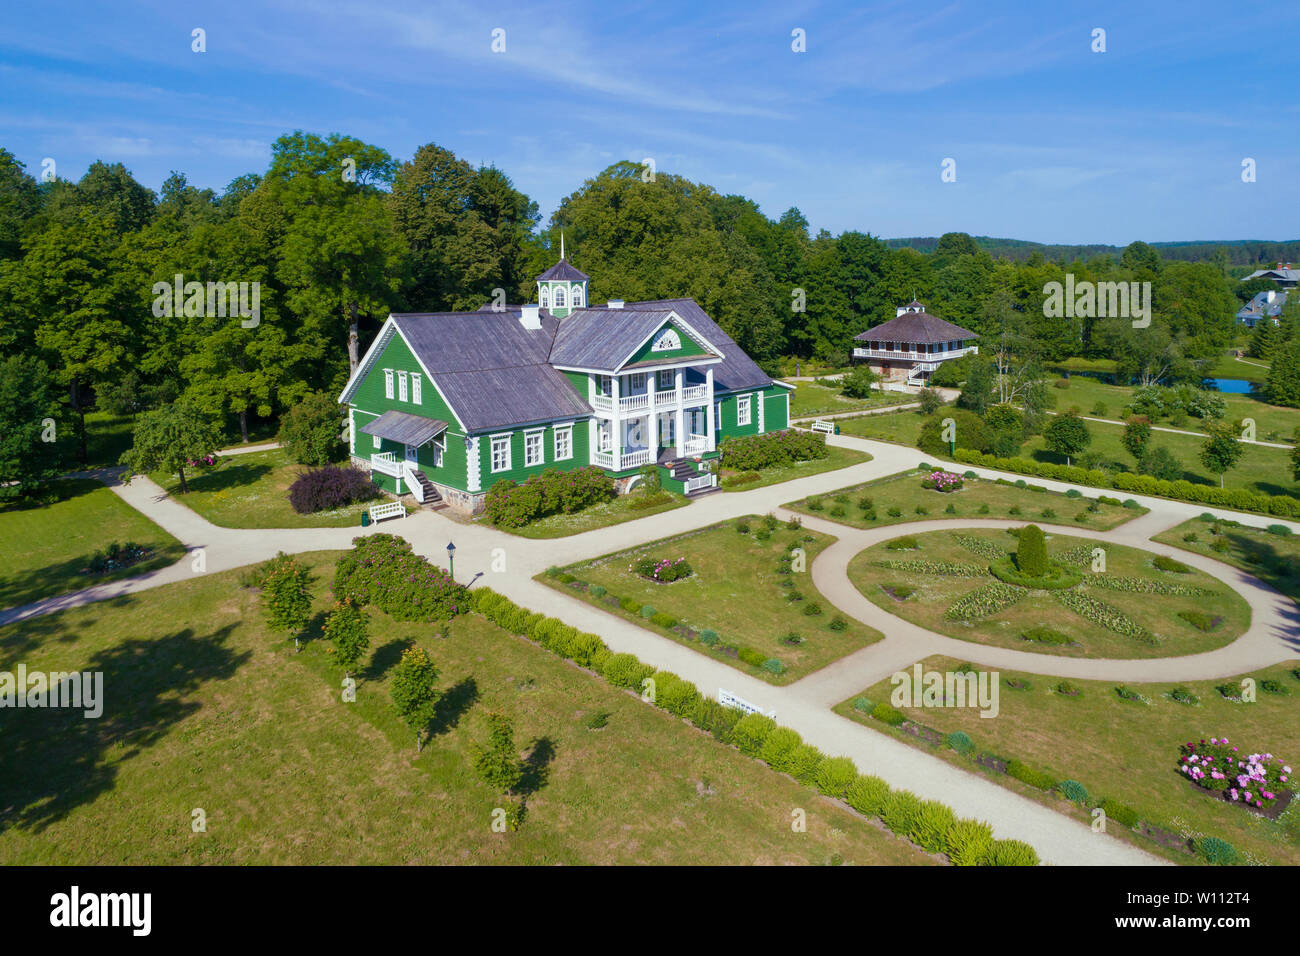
(616, 303)
(901, 310)
(529, 317)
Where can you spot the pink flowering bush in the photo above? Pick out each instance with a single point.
(382, 569)
(662, 570)
(206, 461)
(1254, 779)
(942, 481)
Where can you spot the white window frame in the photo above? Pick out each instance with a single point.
(717, 417)
(417, 389)
(604, 437)
(535, 437)
(544, 297)
(559, 298)
(376, 441)
(605, 385)
(744, 411)
(388, 383)
(576, 297)
(496, 441)
(564, 432)
(638, 381)
(439, 446)
(403, 394)
(672, 380)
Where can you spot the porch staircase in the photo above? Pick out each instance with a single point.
(431, 497)
(683, 470)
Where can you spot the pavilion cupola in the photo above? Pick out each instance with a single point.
(562, 288)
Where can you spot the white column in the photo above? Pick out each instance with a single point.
(708, 409)
(681, 438)
(616, 425)
(652, 420)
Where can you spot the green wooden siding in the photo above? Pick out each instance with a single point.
(369, 402)
(776, 409)
(689, 347)
(520, 472)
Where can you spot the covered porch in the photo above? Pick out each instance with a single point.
(652, 438)
(403, 446)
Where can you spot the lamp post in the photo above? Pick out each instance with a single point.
(451, 560)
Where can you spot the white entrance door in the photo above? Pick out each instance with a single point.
(667, 429)
(411, 455)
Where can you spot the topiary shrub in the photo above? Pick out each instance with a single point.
(888, 715)
(1031, 552)
(960, 741)
(1074, 791)
(334, 486)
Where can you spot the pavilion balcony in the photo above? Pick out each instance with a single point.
(895, 355)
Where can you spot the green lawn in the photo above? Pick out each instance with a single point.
(810, 398)
(623, 508)
(904, 493)
(252, 491)
(45, 548)
(1274, 559)
(933, 594)
(737, 591)
(206, 709)
(1252, 369)
(903, 428)
(1261, 468)
(836, 459)
(1272, 422)
(1128, 750)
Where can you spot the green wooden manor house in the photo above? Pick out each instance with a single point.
(445, 404)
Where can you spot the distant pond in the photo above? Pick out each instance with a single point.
(1236, 386)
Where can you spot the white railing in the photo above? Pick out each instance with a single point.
(412, 483)
(603, 402)
(664, 400)
(633, 459)
(632, 403)
(695, 445)
(695, 393)
(915, 356)
(385, 462)
(698, 482)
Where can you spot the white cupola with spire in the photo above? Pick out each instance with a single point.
(562, 288)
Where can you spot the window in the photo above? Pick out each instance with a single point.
(667, 380)
(533, 454)
(638, 382)
(416, 395)
(401, 387)
(545, 297)
(500, 453)
(603, 437)
(439, 445)
(563, 442)
(377, 441)
(560, 298)
(717, 416)
(388, 383)
(577, 296)
(606, 385)
(742, 410)
(667, 341)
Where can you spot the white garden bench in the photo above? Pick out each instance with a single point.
(821, 425)
(389, 509)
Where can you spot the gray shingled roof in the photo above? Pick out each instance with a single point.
(504, 397)
(603, 338)
(472, 341)
(405, 428)
(737, 370)
(562, 270)
(921, 327)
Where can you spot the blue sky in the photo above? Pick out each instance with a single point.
(1052, 141)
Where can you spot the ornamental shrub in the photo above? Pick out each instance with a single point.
(960, 741)
(334, 486)
(863, 704)
(751, 732)
(902, 812)
(1216, 851)
(931, 826)
(751, 656)
(629, 605)
(510, 504)
(757, 452)
(804, 762)
(663, 620)
(624, 670)
(709, 636)
(1074, 791)
(867, 794)
(778, 747)
(648, 611)
(773, 666)
(835, 776)
(1012, 853)
(1027, 774)
(1122, 814)
(1031, 552)
(888, 715)
(1163, 563)
(673, 694)
(970, 842)
(310, 431)
(382, 570)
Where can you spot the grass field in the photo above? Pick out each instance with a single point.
(252, 491)
(206, 709)
(1272, 422)
(905, 494)
(836, 459)
(1128, 750)
(44, 548)
(903, 427)
(737, 591)
(1274, 559)
(1158, 613)
(810, 398)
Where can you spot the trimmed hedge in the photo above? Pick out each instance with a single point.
(756, 452)
(1282, 506)
(509, 504)
(381, 569)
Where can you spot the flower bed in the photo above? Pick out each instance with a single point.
(981, 546)
(1255, 780)
(1143, 586)
(943, 481)
(984, 602)
(661, 570)
(117, 556)
(1058, 576)
(946, 568)
(1101, 613)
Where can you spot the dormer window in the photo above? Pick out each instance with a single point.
(577, 297)
(560, 299)
(544, 297)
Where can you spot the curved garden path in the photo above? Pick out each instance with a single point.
(507, 563)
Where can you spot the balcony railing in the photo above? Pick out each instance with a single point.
(631, 459)
(915, 356)
(386, 463)
(664, 399)
(695, 445)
